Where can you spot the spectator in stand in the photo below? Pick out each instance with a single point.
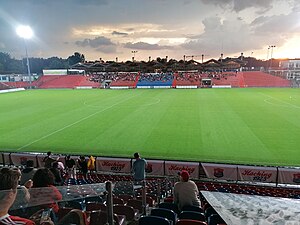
(48, 160)
(9, 179)
(82, 164)
(23, 195)
(91, 164)
(43, 190)
(138, 168)
(186, 191)
(70, 166)
(58, 180)
(61, 165)
(28, 172)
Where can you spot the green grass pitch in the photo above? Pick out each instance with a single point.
(248, 126)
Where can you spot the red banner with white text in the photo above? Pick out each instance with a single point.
(120, 165)
(220, 171)
(173, 167)
(257, 174)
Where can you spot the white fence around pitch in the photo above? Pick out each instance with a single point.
(221, 86)
(119, 87)
(197, 170)
(186, 86)
(12, 90)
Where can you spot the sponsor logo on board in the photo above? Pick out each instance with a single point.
(218, 172)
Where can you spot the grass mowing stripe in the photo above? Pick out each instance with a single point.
(206, 125)
(76, 122)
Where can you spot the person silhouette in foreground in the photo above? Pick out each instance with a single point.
(186, 191)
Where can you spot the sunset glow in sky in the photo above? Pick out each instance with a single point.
(158, 28)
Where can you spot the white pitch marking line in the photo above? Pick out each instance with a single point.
(287, 103)
(72, 124)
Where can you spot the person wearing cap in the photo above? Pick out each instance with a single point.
(186, 191)
(138, 168)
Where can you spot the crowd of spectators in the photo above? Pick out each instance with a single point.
(198, 76)
(38, 188)
(112, 76)
(188, 76)
(152, 77)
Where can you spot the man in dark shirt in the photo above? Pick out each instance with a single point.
(70, 166)
(82, 163)
(138, 168)
(48, 160)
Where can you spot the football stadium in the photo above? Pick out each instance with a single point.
(233, 132)
(163, 112)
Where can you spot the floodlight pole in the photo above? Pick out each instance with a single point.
(27, 62)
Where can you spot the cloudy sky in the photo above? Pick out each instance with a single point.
(158, 28)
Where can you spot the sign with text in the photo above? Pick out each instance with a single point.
(155, 167)
(257, 174)
(173, 167)
(220, 171)
(21, 159)
(119, 165)
(288, 176)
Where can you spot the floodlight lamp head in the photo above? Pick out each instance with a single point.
(24, 32)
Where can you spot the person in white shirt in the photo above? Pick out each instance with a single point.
(186, 191)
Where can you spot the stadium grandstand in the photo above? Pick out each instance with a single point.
(101, 188)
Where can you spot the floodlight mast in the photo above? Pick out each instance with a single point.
(25, 32)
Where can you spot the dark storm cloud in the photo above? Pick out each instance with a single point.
(235, 34)
(95, 43)
(227, 36)
(119, 33)
(239, 5)
(144, 46)
(100, 44)
(107, 49)
(284, 24)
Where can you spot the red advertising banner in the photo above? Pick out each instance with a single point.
(6, 158)
(119, 165)
(257, 174)
(19, 159)
(220, 171)
(288, 176)
(155, 167)
(173, 167)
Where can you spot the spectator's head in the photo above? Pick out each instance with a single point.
(55, 165)
(29, 163)
(136, 155)
(82, 158)
(9, 179)
(49, 153)
(184, 175)
(43, 178)
(68, 157)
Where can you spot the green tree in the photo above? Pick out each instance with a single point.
(75, 58)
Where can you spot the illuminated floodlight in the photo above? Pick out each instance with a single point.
(24, 32)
